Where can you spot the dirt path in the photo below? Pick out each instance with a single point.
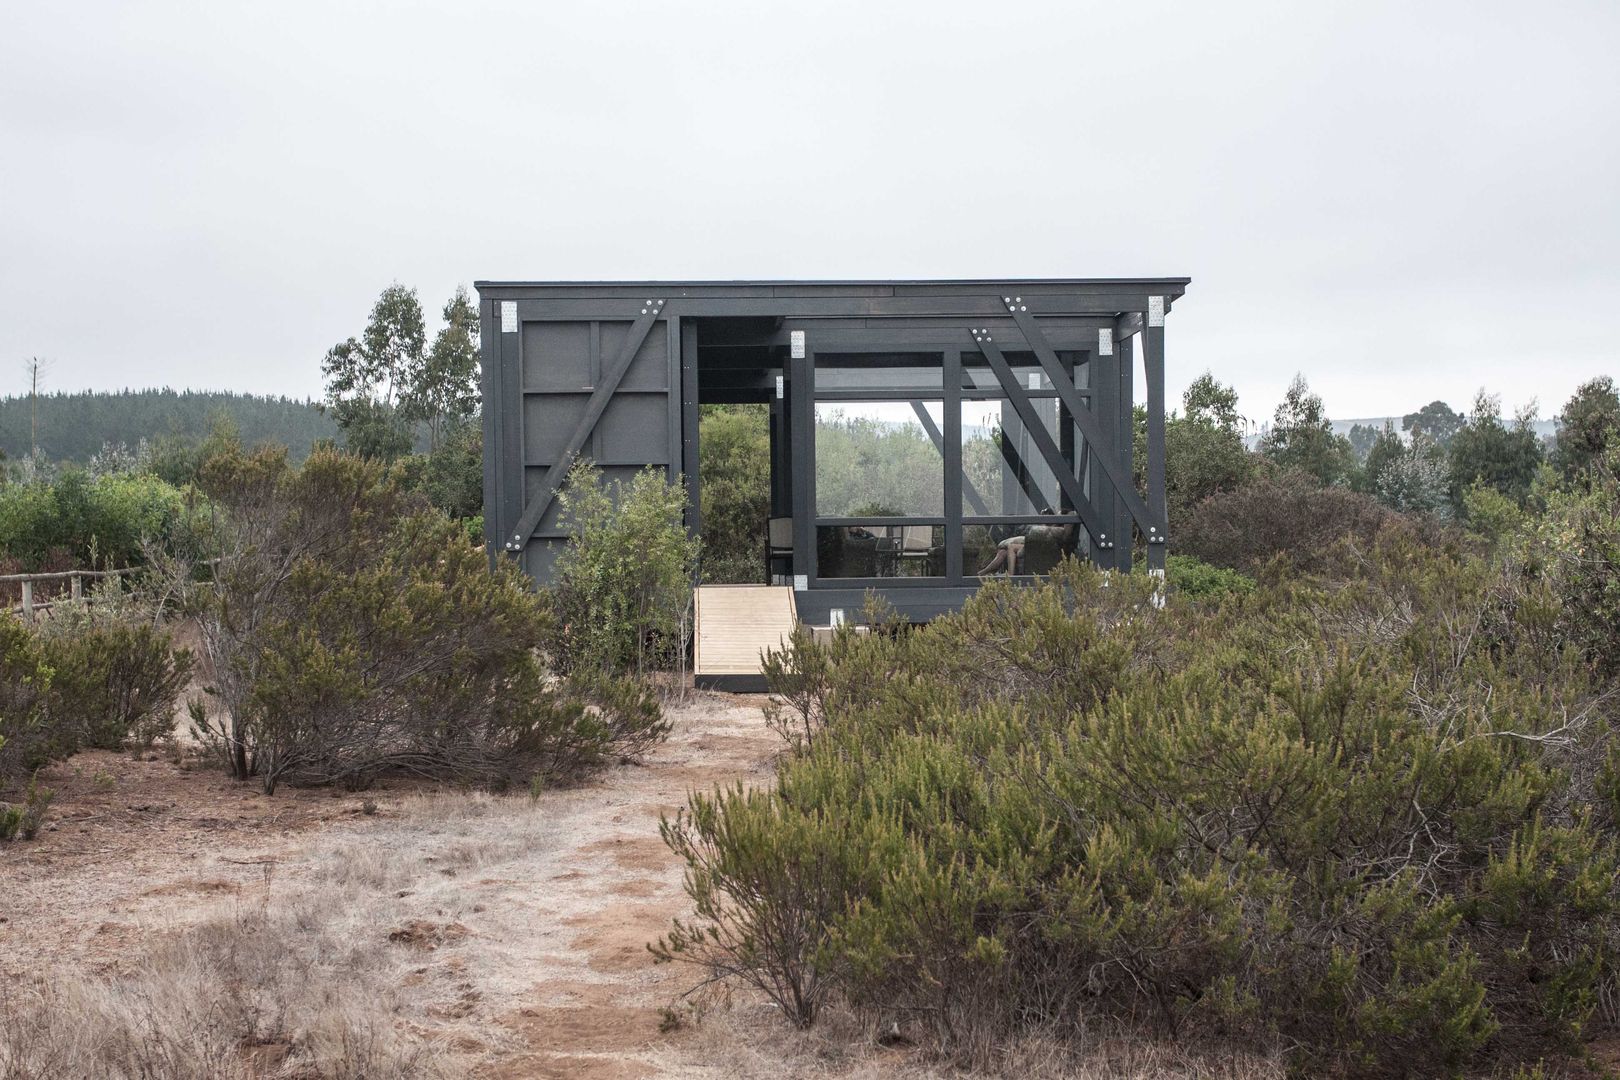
(608, 888)
(512, 930)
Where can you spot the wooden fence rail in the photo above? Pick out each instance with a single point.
(74, 578)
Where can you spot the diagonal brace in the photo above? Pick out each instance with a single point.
(1111, 463)
(1042, 438)
(612, 376)
(938, 437)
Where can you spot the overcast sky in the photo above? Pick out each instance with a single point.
(1402, 201)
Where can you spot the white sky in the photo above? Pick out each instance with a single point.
(1403, 201)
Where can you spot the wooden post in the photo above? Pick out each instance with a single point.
(28, 599)
(76, 588)
(1153, 369)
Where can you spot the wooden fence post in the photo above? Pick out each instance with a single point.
(76, 586)
(28, 600)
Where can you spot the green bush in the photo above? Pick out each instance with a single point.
(622, 588)
(451, 475)
(23, 822)
(357, 631)
(734, 448)
(74, 684)
(25, 682)
(1196, 580)
(114, 680)
(1368, 821)
(1289, 516)
(104, 519)
(1573, 552)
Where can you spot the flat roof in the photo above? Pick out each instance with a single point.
(832, 283)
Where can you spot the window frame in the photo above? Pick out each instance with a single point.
(952, 361)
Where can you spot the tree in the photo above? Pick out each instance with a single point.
(1416, 479)
(451, 475)
(1386, 449)
(1589, 425)
(1437, 420)
(734, 453)
(442, 387)
(1362, 439)
(1203, 448)
(366, 378)
(1485, 450)
(1301, 437)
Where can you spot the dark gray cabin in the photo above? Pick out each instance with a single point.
(915, 425)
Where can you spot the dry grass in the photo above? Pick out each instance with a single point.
(272, 989)
(755, 1044)
(339, 963)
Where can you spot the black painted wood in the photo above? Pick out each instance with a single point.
(1108, 456)
(606, 387)
(1043, 440)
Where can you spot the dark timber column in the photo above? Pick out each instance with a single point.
(1125, 409)
(691, 452)
(952, 457)
(1153, 368)
(1104, 383)
(780, 460)
(801, 428)
(489, 360)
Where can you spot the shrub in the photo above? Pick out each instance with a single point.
(451, 475)
(735, 471)
(1288, 515)
(103, 519)
(25, 681)
(1364, 819)
(23, 822)
(1195, 580)
(113, 680)
(622, 588)
(78, 683)
(1573, 553)
(355, 631)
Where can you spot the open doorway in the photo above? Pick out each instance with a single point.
(742, 482)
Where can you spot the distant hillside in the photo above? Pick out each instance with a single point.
(73, 426)
(1545, 429)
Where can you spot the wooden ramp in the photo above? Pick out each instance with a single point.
(734, 625)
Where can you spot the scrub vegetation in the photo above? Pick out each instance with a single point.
(1351, 799)
(1347, 802)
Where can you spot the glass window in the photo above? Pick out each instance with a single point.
(879, 459)
(1030, 547)
(1003, 470)
(978, 375)
(880, 371)
(880, 551)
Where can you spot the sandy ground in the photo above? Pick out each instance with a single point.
(493, 937)
(519, 924)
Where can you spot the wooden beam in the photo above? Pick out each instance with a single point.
(1153, 369)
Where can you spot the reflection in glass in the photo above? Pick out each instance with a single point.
(880, 551)
(879, 459)
(1032, 547)
(1027, 370)
(1003, 470)
(880, 371)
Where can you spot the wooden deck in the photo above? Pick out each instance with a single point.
(735, 624)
